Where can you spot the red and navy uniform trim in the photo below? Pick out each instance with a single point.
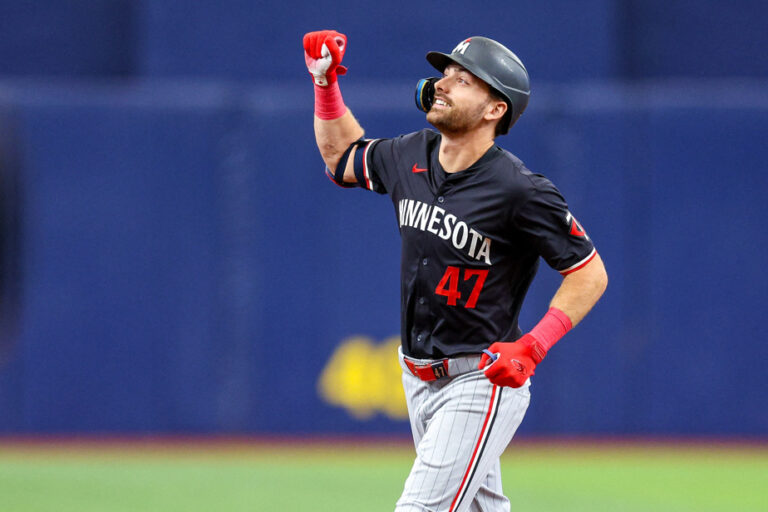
(580, 264)
(482, 442)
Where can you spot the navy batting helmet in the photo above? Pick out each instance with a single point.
(495, 65)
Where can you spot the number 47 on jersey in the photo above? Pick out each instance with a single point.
(449, 285)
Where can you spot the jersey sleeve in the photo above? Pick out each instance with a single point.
(375, 164)
(548, 225)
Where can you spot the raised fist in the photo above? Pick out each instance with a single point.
(323, 51)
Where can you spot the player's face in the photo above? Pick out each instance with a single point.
(461, 101)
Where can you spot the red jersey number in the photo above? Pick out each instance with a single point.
(449, 285)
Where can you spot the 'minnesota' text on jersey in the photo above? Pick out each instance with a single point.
(470, 240)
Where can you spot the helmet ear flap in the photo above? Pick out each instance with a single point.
(425, 93)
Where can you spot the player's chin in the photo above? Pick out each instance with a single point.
(448, 122)
(438, 118)
(434, 113)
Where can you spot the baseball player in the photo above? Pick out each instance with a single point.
(474, 222)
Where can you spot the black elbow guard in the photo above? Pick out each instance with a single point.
(337, 176)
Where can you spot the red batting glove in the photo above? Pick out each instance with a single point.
(515, 362)
(323, 51)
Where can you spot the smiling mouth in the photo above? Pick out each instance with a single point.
(441, 102)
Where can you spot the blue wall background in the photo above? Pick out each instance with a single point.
(185, 265)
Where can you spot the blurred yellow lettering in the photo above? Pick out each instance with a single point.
(363, 377)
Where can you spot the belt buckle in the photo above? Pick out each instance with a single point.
(440, 369)
(429, 371)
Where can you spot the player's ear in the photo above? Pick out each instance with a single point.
(496, 109)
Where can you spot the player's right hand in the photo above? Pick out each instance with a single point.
(323, 52)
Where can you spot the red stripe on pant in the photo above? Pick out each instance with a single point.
(456, 499)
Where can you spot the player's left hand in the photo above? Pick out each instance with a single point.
(515, 363)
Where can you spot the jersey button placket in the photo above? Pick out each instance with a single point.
(422, 301)
(424, 263)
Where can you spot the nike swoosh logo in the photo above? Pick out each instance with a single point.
(417, 169)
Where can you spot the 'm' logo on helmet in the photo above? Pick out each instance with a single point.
(462, 46)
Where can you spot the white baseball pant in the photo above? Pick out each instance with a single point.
(461, 425)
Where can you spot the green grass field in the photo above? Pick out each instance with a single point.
(339, 477)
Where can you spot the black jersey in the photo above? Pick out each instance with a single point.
(470, 240)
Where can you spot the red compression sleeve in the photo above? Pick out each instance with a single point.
(551, 328)
(328, 102)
